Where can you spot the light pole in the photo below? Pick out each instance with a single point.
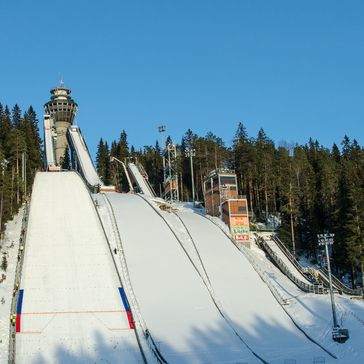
(191, 153)
(338, 334)
(162, 129)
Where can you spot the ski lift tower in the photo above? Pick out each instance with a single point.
(62, 110)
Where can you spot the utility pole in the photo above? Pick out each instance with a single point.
(338, 334)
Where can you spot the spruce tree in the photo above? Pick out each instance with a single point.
(66, 160)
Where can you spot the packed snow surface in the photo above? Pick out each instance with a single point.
(72, 311)
(9, 249)
(83, 156)
(48, 143)
(276, 249)
(142, 184)
(199, 296)
(174, 302)
(245, 298)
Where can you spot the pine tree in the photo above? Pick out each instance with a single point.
(16, 116)
(19, 145)
(5, 131)
(242, 161)
(103, 161)
(66, 160)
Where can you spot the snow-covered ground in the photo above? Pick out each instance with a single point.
(276, 249)
(173, 300)
(83, 156)
(232, 279)
(311, 312)
(195, 291)
(9, 248)
(142, 184)
(72, 311)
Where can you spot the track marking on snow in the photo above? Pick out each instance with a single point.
(127, 307)
(120, 329)
(72, 312)
(18, 310)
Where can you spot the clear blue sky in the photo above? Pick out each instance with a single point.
(295, 68)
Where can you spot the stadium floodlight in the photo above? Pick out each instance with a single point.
(338, 334)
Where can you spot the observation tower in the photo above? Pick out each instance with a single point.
(62, 110)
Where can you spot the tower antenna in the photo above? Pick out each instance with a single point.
(60, 82)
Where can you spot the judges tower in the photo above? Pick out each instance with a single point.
(62, 110)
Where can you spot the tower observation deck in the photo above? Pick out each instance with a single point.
(62, 110)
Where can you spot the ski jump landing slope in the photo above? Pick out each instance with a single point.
(246, 299)
(83, 156)
(175, 305)
(71, 309)
(140, 181)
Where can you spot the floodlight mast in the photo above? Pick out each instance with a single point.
(338, 334)
(326, 240)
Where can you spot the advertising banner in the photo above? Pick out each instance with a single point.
(239, 227)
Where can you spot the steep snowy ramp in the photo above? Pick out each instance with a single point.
(246, 299)
(140, 180)
(71, 310)
(48, 143)
(278, 251)
(86, 166)
(174, 303)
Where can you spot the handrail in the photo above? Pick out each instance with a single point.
(17, 279)
(79, 160)
(146, 179)
(140, 170)
(290, 257)
(282, 305)
(340, 286)
(128, 286)
(313, 288)
(322, 272)
(112, 257)
(206, 283)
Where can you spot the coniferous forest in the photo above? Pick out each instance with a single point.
(20, 158)
(311, 188)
